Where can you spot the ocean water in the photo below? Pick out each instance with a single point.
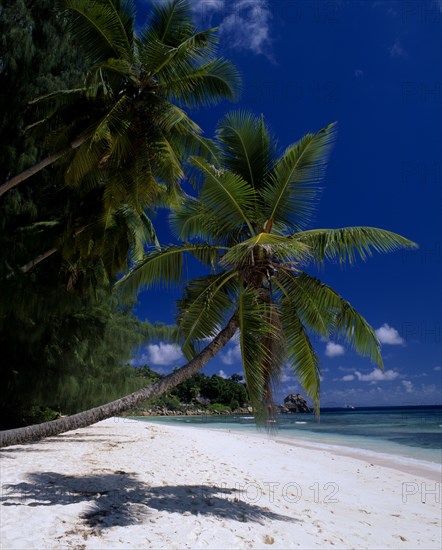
(412, 432)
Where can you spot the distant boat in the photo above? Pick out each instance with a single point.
(348, 407)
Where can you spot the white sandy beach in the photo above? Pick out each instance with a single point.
(127, 484)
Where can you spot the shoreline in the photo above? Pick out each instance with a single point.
(408, 465)
(394, 460)
(124, 483)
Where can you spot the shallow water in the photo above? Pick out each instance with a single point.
(408, 432)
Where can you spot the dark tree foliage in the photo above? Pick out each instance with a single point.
(230, 392)
(37, 56)
(63, 337)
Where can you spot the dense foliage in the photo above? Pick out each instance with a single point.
(78, 72)
(63, 336)
(202, 391)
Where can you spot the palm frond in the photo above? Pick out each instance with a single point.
(308, 303)
(48, 104)
(344, 244)
(247, 147)
(104, 28)
(167, 62)
(103, 73)
(301, 355)
(84, 162)
(328, 314)
(170, 117)
(206, 305)
(256, 335)
(192, 220)
(163, 267)
(38, 226)
(113, 122)
(205, 84)
(170, 23)
(226, 195)
(290, 190)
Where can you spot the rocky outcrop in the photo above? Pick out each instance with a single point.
(295, 403)
(160, 411)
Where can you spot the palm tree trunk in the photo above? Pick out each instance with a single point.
(86, 418)
(27, 267)
(13, 182)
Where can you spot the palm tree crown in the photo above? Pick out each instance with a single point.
(248, 224)
(135, 130)
(122, 137)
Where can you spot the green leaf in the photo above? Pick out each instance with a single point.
(163, 267)
(327, 313)
(301, 355)
(227, 195)
(346, 243)
(205, 84)
(105, 26)
(247, 147)
(259, 339)
(206, 306)
(290, 191)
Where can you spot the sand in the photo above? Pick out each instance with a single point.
(127, 484)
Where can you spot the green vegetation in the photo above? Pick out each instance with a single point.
(68, 231)
(213, 393)
(108, 143)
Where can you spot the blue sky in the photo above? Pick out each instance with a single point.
(375, 67)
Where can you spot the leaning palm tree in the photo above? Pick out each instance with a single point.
(248, 225)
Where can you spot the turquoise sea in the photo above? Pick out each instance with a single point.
(412, 432)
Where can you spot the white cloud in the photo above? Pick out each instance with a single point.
(377, 375)
(373, 395)
(232, 355)
(164, 354)
(389, 335)
(223, 374)
(420, 375)
(334, 350)
(285, 377)
(397, 50)
(408, 386)
(348, 378)
(242, 24)
(437, 368)
(247, 27)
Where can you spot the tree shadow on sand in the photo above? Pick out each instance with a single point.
(119, 499)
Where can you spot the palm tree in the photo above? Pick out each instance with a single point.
(123, 136)
(129, 114)
(247, 226)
